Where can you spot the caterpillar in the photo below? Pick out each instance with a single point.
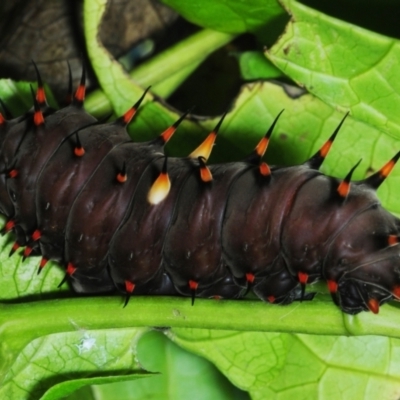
(120, 215)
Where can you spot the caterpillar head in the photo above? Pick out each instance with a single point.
(362, 267)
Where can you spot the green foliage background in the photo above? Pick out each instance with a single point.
(53, 344)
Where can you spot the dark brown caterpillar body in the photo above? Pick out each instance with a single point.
(119, 214)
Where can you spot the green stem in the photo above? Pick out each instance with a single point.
(21, 323)
(167, 70)
(189, 52)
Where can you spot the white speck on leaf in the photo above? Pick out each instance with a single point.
(87, 343)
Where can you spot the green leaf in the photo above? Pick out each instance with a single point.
(304, 126)
(76, 357)
(18, 97)
(66, 388)
(112, 78)
(254, 66)
(252, 360)
(20, 279)
(337, 367)
(273, 365)
(346, 66)
(261, 17)
(181, 374)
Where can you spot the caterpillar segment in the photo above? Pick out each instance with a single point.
(120, 216)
